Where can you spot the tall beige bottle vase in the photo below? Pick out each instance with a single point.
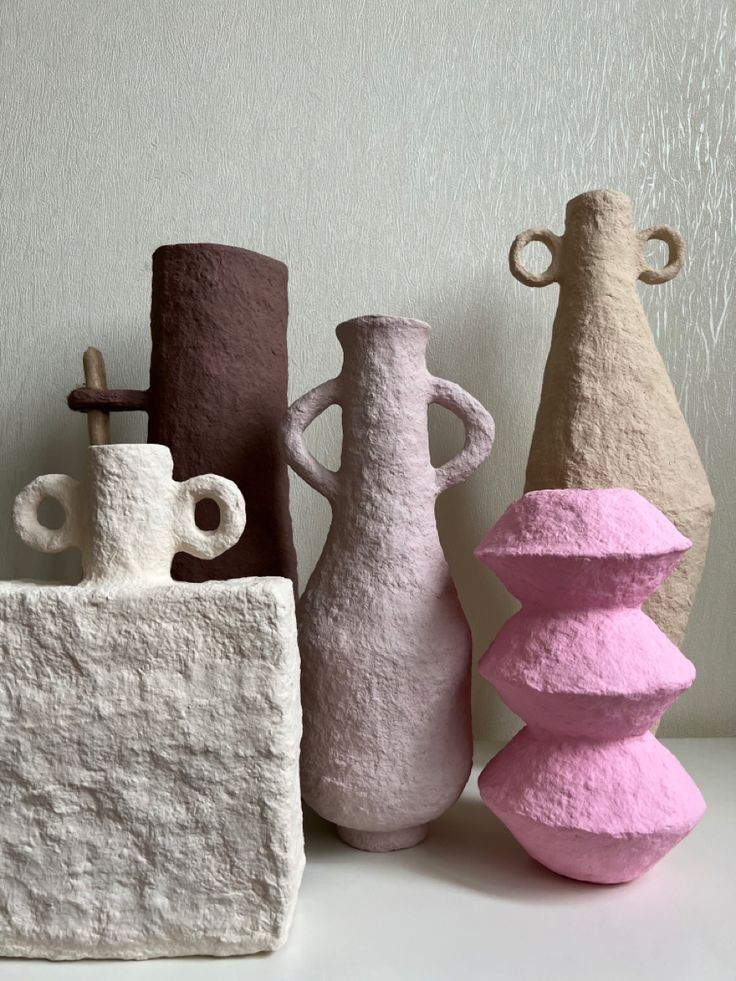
(608, 414)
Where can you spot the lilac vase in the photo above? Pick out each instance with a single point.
(385, 646)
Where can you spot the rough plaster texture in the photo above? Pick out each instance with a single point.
(149, 734)
(128, 516)
(584, 787)
(217, 394)
(608, 415)
(388, 153)
(599, 812)
(385, 646)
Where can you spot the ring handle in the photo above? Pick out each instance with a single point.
(479, 432)
(57, 487)
(197, 541)
(299, 416)
(519, 270)
(675, 254)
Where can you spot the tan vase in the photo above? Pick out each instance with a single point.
(608, 414)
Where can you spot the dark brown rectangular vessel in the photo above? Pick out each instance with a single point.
(218, 393)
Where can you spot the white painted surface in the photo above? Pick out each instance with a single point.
(129, 517)
(389, 153)
(149, 767)
(470, 904)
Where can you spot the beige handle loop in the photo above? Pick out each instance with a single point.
(197, 541)
(519, 270)
(675, 254)
(57, 487)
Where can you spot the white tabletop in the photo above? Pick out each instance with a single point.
(469, 903)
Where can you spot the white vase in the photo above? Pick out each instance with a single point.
(150, 729)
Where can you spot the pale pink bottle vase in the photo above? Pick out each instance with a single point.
(585, 787)
(385, 647)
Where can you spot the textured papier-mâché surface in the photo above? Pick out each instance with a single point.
(149, 736)
(608, 414)
(385, 646)
(218, 394)
(584, 787)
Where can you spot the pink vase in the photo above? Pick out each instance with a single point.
(385, 647)
(585, 787)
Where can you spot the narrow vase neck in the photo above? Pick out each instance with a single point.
(384, 389)
(384, 355)
(129, 503)
(600, 247)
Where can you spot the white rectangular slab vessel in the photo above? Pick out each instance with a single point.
(149, 739)
(149, 792)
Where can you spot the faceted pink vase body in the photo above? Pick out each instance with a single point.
(585, 787)
(386, 651)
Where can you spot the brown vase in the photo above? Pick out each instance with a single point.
(608, 414)
(218, 393)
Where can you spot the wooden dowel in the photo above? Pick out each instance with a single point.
(95, 376)
(111, 400)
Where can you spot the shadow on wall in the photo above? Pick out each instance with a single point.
(466, 348)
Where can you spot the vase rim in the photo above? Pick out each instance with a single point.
(387, 322)
(214, 249)
(124, 449)
(594, 198)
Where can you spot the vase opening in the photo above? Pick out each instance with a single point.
(600, 200)
(388, 324)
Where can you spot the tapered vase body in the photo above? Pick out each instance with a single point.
(608, 414)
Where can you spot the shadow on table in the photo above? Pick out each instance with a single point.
(468, 846)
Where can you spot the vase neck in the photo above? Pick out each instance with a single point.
(384, 387)
(383, 352)
(384, 379)
(600, 246)
(129, 505)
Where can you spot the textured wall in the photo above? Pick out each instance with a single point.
(388, 152)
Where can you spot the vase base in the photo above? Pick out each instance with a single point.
(383, 841)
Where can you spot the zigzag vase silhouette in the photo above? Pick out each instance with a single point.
(585, 787)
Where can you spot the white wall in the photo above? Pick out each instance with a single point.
(388, 152)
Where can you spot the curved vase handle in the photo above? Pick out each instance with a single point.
(57, 487)
(299, 416)
(676, 254)
(197, 541)
(479, 432)
(519, 270)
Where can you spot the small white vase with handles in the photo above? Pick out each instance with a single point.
(128, 516)
(150, 729)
